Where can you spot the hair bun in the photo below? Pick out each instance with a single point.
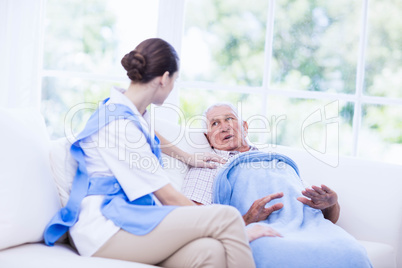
(134, 63)
(150, 59)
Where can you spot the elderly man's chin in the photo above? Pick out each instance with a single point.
(231, 145)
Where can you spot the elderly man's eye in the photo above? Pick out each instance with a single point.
(214, 124)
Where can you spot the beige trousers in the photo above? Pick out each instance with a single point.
(197, 236)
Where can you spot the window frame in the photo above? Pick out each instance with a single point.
(171, 27)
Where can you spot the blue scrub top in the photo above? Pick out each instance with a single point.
(139, 216)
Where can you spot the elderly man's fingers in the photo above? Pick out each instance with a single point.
(273, 208)
(312, 192)
(306, 201)
(319, 190)
(326, 189)
(268, 198)
(263, 201)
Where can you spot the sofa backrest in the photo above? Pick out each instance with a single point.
(28, 196)
(369, 192)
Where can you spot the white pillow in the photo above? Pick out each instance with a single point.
(63, 167)
(190, 141)
(28, 195)
(175, 169)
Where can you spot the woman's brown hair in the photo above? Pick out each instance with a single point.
(151, 58)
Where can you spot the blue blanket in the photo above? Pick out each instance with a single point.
(308, 239)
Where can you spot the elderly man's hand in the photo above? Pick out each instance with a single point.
(258, 211)
(320, 197)
(205, 160)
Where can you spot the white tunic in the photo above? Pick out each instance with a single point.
(121, 150)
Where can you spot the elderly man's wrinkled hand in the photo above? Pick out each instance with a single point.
(258, 210)
(319, 197)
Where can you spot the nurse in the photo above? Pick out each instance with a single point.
(128, 210)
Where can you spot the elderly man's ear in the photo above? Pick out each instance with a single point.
(245, 128)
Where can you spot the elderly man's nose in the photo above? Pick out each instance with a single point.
(225, 127)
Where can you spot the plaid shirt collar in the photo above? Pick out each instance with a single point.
(229, 154)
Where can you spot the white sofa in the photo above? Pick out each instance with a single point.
(369, 194)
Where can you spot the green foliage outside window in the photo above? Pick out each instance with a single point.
(315, 48)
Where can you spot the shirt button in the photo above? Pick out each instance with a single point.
(116, 185)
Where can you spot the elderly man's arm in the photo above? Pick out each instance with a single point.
(322, 198)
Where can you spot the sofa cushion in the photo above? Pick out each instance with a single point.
(60, 256)
(28, 196)
(380, 254)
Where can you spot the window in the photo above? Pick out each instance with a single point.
(84, 43)
(287, 60)
(304, 73)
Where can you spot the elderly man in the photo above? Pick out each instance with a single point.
(227, 134)
(304, 218)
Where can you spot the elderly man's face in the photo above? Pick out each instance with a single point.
(225, 130)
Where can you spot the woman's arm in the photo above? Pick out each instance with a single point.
(202, 160)
(168, 195)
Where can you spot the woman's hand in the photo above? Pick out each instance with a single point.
(205, 160)
(260, 230)
(200, 160)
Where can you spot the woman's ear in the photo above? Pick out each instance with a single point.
(165, 79)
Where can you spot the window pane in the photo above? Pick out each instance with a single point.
(67, 103)
(381, 133)
(92, 36)
(224, 41)
(322, 125)
(315, 45)
(384, 49)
